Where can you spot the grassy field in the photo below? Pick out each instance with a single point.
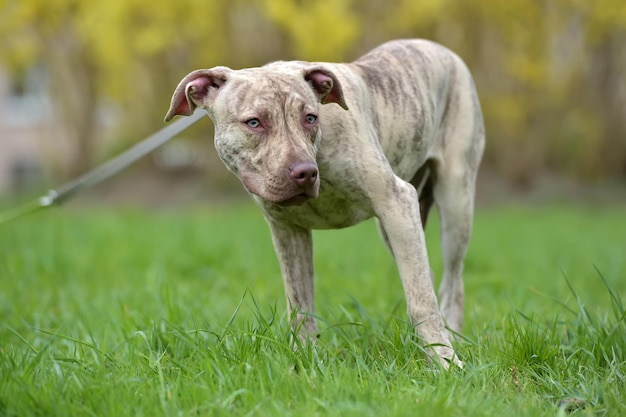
(181, 313)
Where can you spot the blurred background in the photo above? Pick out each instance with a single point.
(81, 81)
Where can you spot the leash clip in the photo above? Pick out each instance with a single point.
(49, 199)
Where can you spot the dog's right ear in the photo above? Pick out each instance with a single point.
(196, 89)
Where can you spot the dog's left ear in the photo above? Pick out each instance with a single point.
(326, 85)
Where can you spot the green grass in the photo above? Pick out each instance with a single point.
(181, 313)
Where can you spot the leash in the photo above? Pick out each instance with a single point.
(104, 171)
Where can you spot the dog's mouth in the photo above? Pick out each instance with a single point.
(281, 199)
(296, 200)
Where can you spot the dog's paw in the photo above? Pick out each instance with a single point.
(454, 361)
(446, 356)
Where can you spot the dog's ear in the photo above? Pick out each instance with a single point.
(326, 85)
(195, 89)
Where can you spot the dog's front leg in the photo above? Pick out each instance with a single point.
(399, 216)
(294, 249)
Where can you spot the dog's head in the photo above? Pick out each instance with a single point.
(267, 127)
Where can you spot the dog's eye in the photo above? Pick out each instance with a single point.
(253, 123)
(311, 118)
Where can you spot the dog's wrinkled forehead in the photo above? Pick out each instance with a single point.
(267, 87)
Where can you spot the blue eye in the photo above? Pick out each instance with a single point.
(253, 123)
(311, 118)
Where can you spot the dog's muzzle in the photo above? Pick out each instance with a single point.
(305, 176)
(301, 183)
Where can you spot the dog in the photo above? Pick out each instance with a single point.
(328, 145)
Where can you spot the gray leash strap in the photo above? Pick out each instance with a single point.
(105, 170)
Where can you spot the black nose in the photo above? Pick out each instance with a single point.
(304, 174)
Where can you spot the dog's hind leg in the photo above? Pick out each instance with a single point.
(454, 188)
(455, 202)
(423, 182)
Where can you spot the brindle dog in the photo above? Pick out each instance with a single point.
(326, 145)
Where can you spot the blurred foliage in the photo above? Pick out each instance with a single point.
(551, 74)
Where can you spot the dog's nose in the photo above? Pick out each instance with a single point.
(304, 174)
